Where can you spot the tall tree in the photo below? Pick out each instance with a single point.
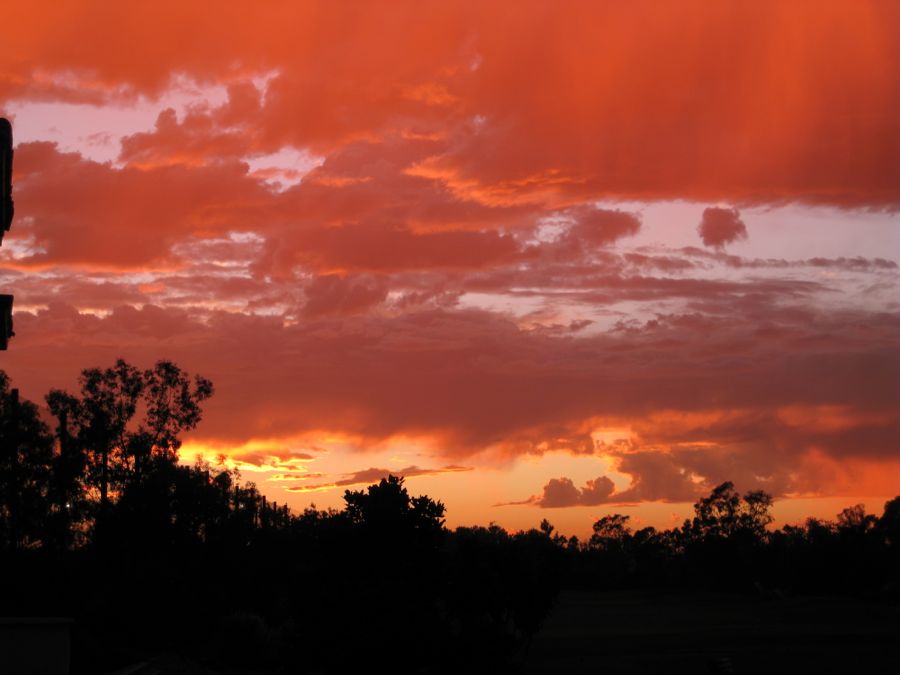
(109, 399)
(725, 513)
(68, 494)
(123, 420)
(26, 453)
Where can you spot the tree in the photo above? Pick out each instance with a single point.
(104, 449)
(855, 521)
(384, 549)
(71, 507)
(754, 516)
(610, 532)
(889, 523)
(173, 404)
(26, 454)
(107, 404)
(725, 514)
(386, 509)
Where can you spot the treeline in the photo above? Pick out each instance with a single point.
(729, 545)
(100, 522)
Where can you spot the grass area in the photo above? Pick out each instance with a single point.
(663, 631)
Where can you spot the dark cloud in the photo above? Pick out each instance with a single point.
(597, 491)
(559, 492)
(333, 294)
(654, 477)
(272, 459)
(598, 227)
(373, 475)
(855, 264)
(721, 226)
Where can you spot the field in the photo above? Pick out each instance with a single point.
(652, 631)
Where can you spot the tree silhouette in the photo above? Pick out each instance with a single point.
(854, 521)
(388, 515)
(173, 403)
(100, 416)
(610, 532)
(68, 495)
(724, 513)
(889, 523)
(25, 462)
(103, 448)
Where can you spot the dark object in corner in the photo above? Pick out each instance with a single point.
(6, 320)
(6, 215)
(6, 161)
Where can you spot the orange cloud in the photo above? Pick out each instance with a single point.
(688, 100)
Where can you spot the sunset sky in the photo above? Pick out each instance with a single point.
(547, 260)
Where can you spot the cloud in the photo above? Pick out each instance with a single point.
(387, 248)
(598, 227)
(332, 294)
(704, 395)
(660, 476)
(373, 475)
(721, 226)
(597, 491)
(730, 124)
(193, 142)
(855, 264)
(84, 213)
(654, 477)
(272, 459)
(559, 492)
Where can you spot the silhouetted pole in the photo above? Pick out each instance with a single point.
(6, 161)
(6, 215)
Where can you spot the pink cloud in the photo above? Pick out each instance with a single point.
(721, 226)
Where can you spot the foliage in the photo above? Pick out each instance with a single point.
(725, 514)
(25, 471)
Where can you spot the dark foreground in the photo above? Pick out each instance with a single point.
(681, 632)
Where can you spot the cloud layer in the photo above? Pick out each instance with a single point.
(430, 223)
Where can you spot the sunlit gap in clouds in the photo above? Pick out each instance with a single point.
(790, 230)
(804, 253)
(283, 169)
(18, 247)
(316, 468)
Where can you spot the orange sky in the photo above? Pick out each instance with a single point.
(545, 260)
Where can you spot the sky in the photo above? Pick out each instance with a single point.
(545, 260)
